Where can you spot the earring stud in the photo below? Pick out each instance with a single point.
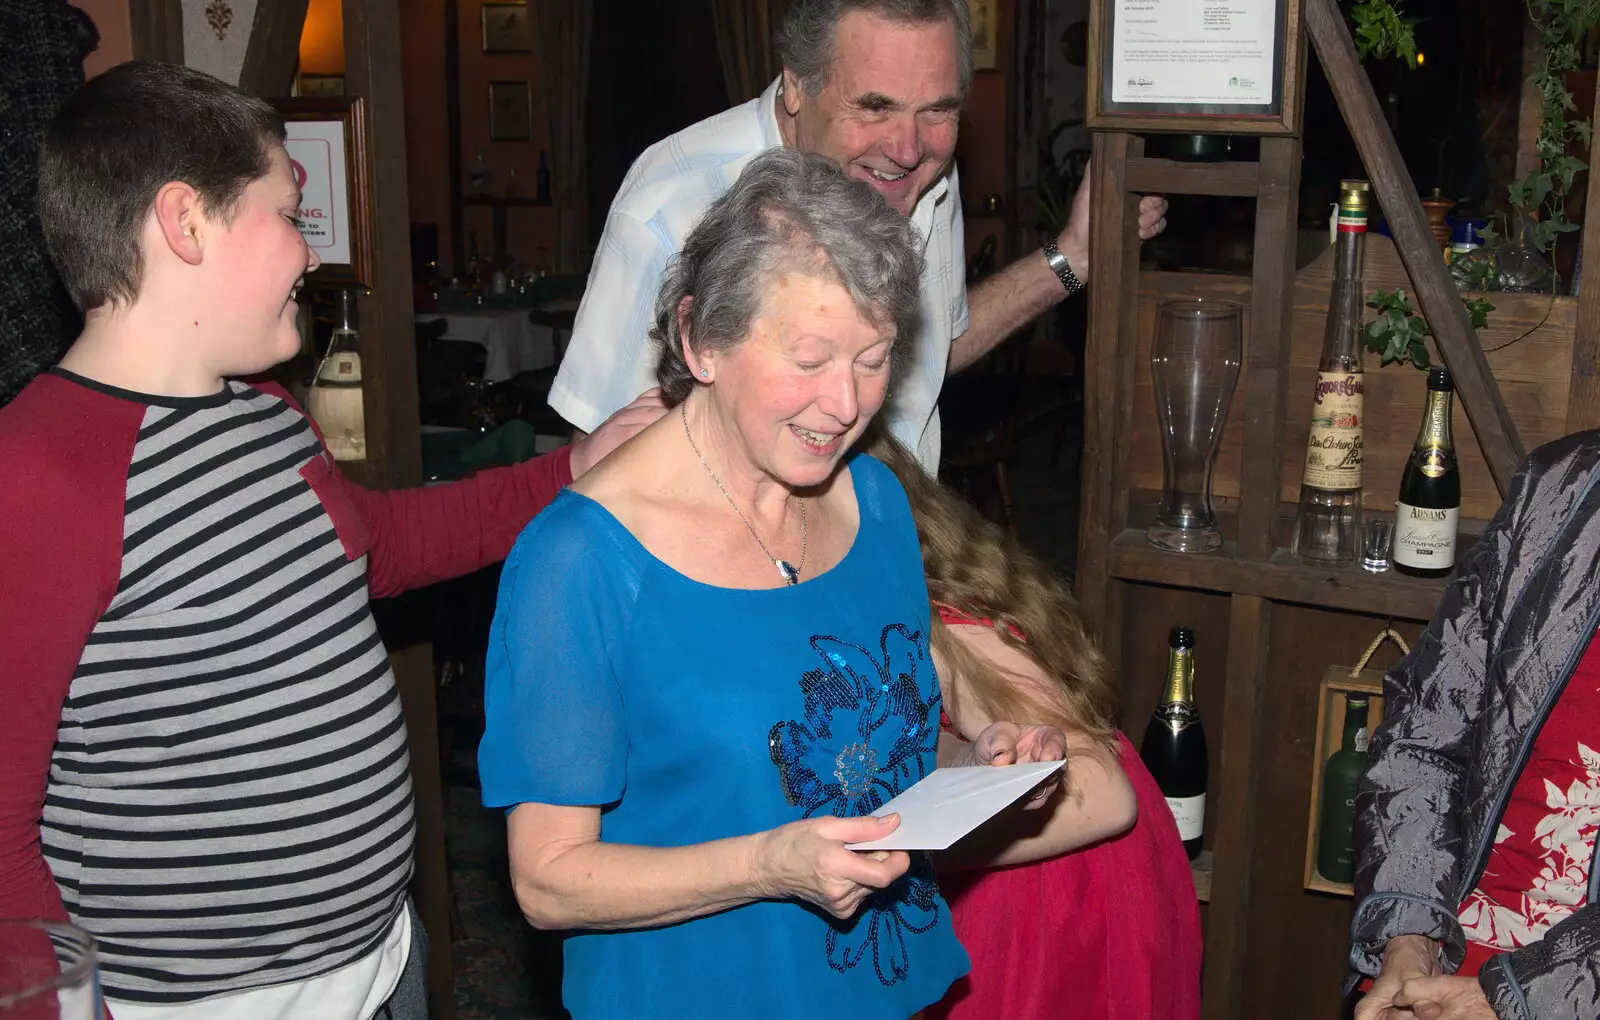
(705, 373)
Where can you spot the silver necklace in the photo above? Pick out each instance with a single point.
(788, 571)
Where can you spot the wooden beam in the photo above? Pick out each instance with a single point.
(389, 379)
(1108, 228)
(1413, 238)
(452, 154)
(1108, 379)
(1583, 396)
(273, 53)
(373, 71)
(157, 29)
(1170, 177)
(1267, 348)
(431, 890)
(1234, 804)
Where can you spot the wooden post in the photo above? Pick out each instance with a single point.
(273, 51)
(1227, 928)
(157, 29)
(1583, 397)
(1113, 307)
(394, 441)
(1413, 238)
(1267, 354)
(389, 380)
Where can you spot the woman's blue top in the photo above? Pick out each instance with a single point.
(691, 713)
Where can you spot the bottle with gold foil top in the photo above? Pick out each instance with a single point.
(1328, 525)
(1174, 747)
(1430, 490)
(335, 396)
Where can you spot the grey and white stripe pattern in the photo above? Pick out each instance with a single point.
(229, 802)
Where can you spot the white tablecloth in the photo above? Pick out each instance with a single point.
(514, 343)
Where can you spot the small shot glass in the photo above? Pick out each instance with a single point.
(1376, 535)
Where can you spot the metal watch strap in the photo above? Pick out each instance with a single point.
(1059, 266)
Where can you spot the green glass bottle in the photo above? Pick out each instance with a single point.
(1336, 855)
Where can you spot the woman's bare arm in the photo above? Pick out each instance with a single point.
(1096, 801)
(565, 877)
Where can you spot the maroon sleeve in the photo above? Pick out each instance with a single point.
(424, 535)
(64, 454)
(433, 533)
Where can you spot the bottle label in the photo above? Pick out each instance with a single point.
(1363, 738)
(1190, 814)
(1352, 221)
(1425, 538)
(1333, 450)
(1178, 715)
(1434, 463)
(341, 367)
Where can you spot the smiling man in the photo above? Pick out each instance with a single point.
(876, 85)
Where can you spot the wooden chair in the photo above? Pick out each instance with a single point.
(445, 372)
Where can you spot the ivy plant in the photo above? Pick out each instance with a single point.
(1398, 333)
(1538, 199)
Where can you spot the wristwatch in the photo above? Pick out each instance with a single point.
(1063, 271)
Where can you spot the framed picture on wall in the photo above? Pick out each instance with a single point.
(1144, 75)
(985, 45)
(332, 162)
(318, 85)
(510, 111)
(506, 28)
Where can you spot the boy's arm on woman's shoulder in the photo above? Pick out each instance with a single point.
(419, 536)
(436, 532)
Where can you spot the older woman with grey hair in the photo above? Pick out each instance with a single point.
(709, 666)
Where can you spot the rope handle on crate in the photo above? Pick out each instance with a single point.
(1387, 633)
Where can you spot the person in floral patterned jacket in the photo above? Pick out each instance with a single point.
(1478, 896)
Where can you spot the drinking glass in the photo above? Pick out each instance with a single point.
(1377, 533)
(47, 972)
(1194, 366)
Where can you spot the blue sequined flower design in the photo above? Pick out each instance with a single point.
(870, 725)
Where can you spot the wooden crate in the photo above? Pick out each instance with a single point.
(1330, 730)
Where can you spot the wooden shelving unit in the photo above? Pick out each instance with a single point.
(1281, 577)
(1269, 625)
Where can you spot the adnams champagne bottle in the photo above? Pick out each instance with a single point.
(1429, 507)
(1174, 748)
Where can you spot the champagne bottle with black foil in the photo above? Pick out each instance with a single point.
(1174, 748)
(1430, 490)
(1336, 856)
(1328, 524)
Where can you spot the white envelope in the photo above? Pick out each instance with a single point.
(949, 803)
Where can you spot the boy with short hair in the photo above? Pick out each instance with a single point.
(202, 756)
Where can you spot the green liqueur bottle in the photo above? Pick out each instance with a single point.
(1336, 855)
(1429, 507)
(1174, 748)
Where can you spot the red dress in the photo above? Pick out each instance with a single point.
(1109, 931)
(1537, 874)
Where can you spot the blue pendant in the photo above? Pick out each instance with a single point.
(788, 571)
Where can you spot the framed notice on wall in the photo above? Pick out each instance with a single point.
(1206, 66)
(328, 152)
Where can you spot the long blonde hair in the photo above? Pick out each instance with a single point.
(974, 567)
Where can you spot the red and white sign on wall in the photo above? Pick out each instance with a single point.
(327, 142)
(317, 154)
